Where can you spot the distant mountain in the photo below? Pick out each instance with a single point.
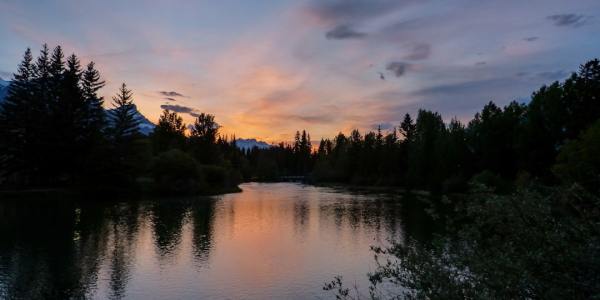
(146, 127)
(251, 143)
(3, 88)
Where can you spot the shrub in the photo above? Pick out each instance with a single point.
(176, 172)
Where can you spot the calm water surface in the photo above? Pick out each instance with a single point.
(272, 241)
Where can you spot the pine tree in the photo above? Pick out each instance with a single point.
(90, 84)
(42, 79)
(17, 121)
(56, 69)
(57, 63)
(124, 124)
(379, 137)
(69, 143)
(42, 65)
(407, 128)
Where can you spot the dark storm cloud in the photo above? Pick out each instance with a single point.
(572, 20)
(344, 32)
(350, 11)
(464, 87)
(397, 67)
(531, 38)
(170, 99)
(419, 52)
(181, 109)
(170, 94)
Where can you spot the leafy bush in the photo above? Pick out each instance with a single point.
(176, 172)
(539, 243)
(490, 181)
(219, 177)
(579, 160)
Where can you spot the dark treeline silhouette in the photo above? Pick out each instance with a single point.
(501, 145)
(55, 132)
(282, 160)
(528, 226)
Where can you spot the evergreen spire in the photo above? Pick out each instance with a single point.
(90, 84)
(57, 63)
(124, 123)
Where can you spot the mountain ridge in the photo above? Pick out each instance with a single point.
(247, 144)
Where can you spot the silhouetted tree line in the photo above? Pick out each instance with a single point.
(55, 132)
(501, 145)
(540, 239)
(196, 161)
(272, 163)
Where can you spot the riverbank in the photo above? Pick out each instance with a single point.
(29, 193)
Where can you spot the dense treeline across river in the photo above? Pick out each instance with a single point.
(55, 132)
(517, 143)
(528, 226)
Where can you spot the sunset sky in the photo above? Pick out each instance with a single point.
(268, 68)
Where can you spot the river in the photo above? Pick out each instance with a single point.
(271, 241)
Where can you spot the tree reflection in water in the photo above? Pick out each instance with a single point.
(272, 241)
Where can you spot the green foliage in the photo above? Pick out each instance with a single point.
(539, 243)
(220, 177)
(501, 144)
(169, 133)
(124, 124)
(54, 132)
(579, 160)
(203, 138)
(490, 181)
(50, 122)
(176, 172)
(205, 128)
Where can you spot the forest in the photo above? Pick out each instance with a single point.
(501, 146)
(56, 132)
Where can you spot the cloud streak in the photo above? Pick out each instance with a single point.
(398, 68)
(568, 20)
(181, 109)
(352, 11)
(344, 32)
(419, 52)
(171, 94)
